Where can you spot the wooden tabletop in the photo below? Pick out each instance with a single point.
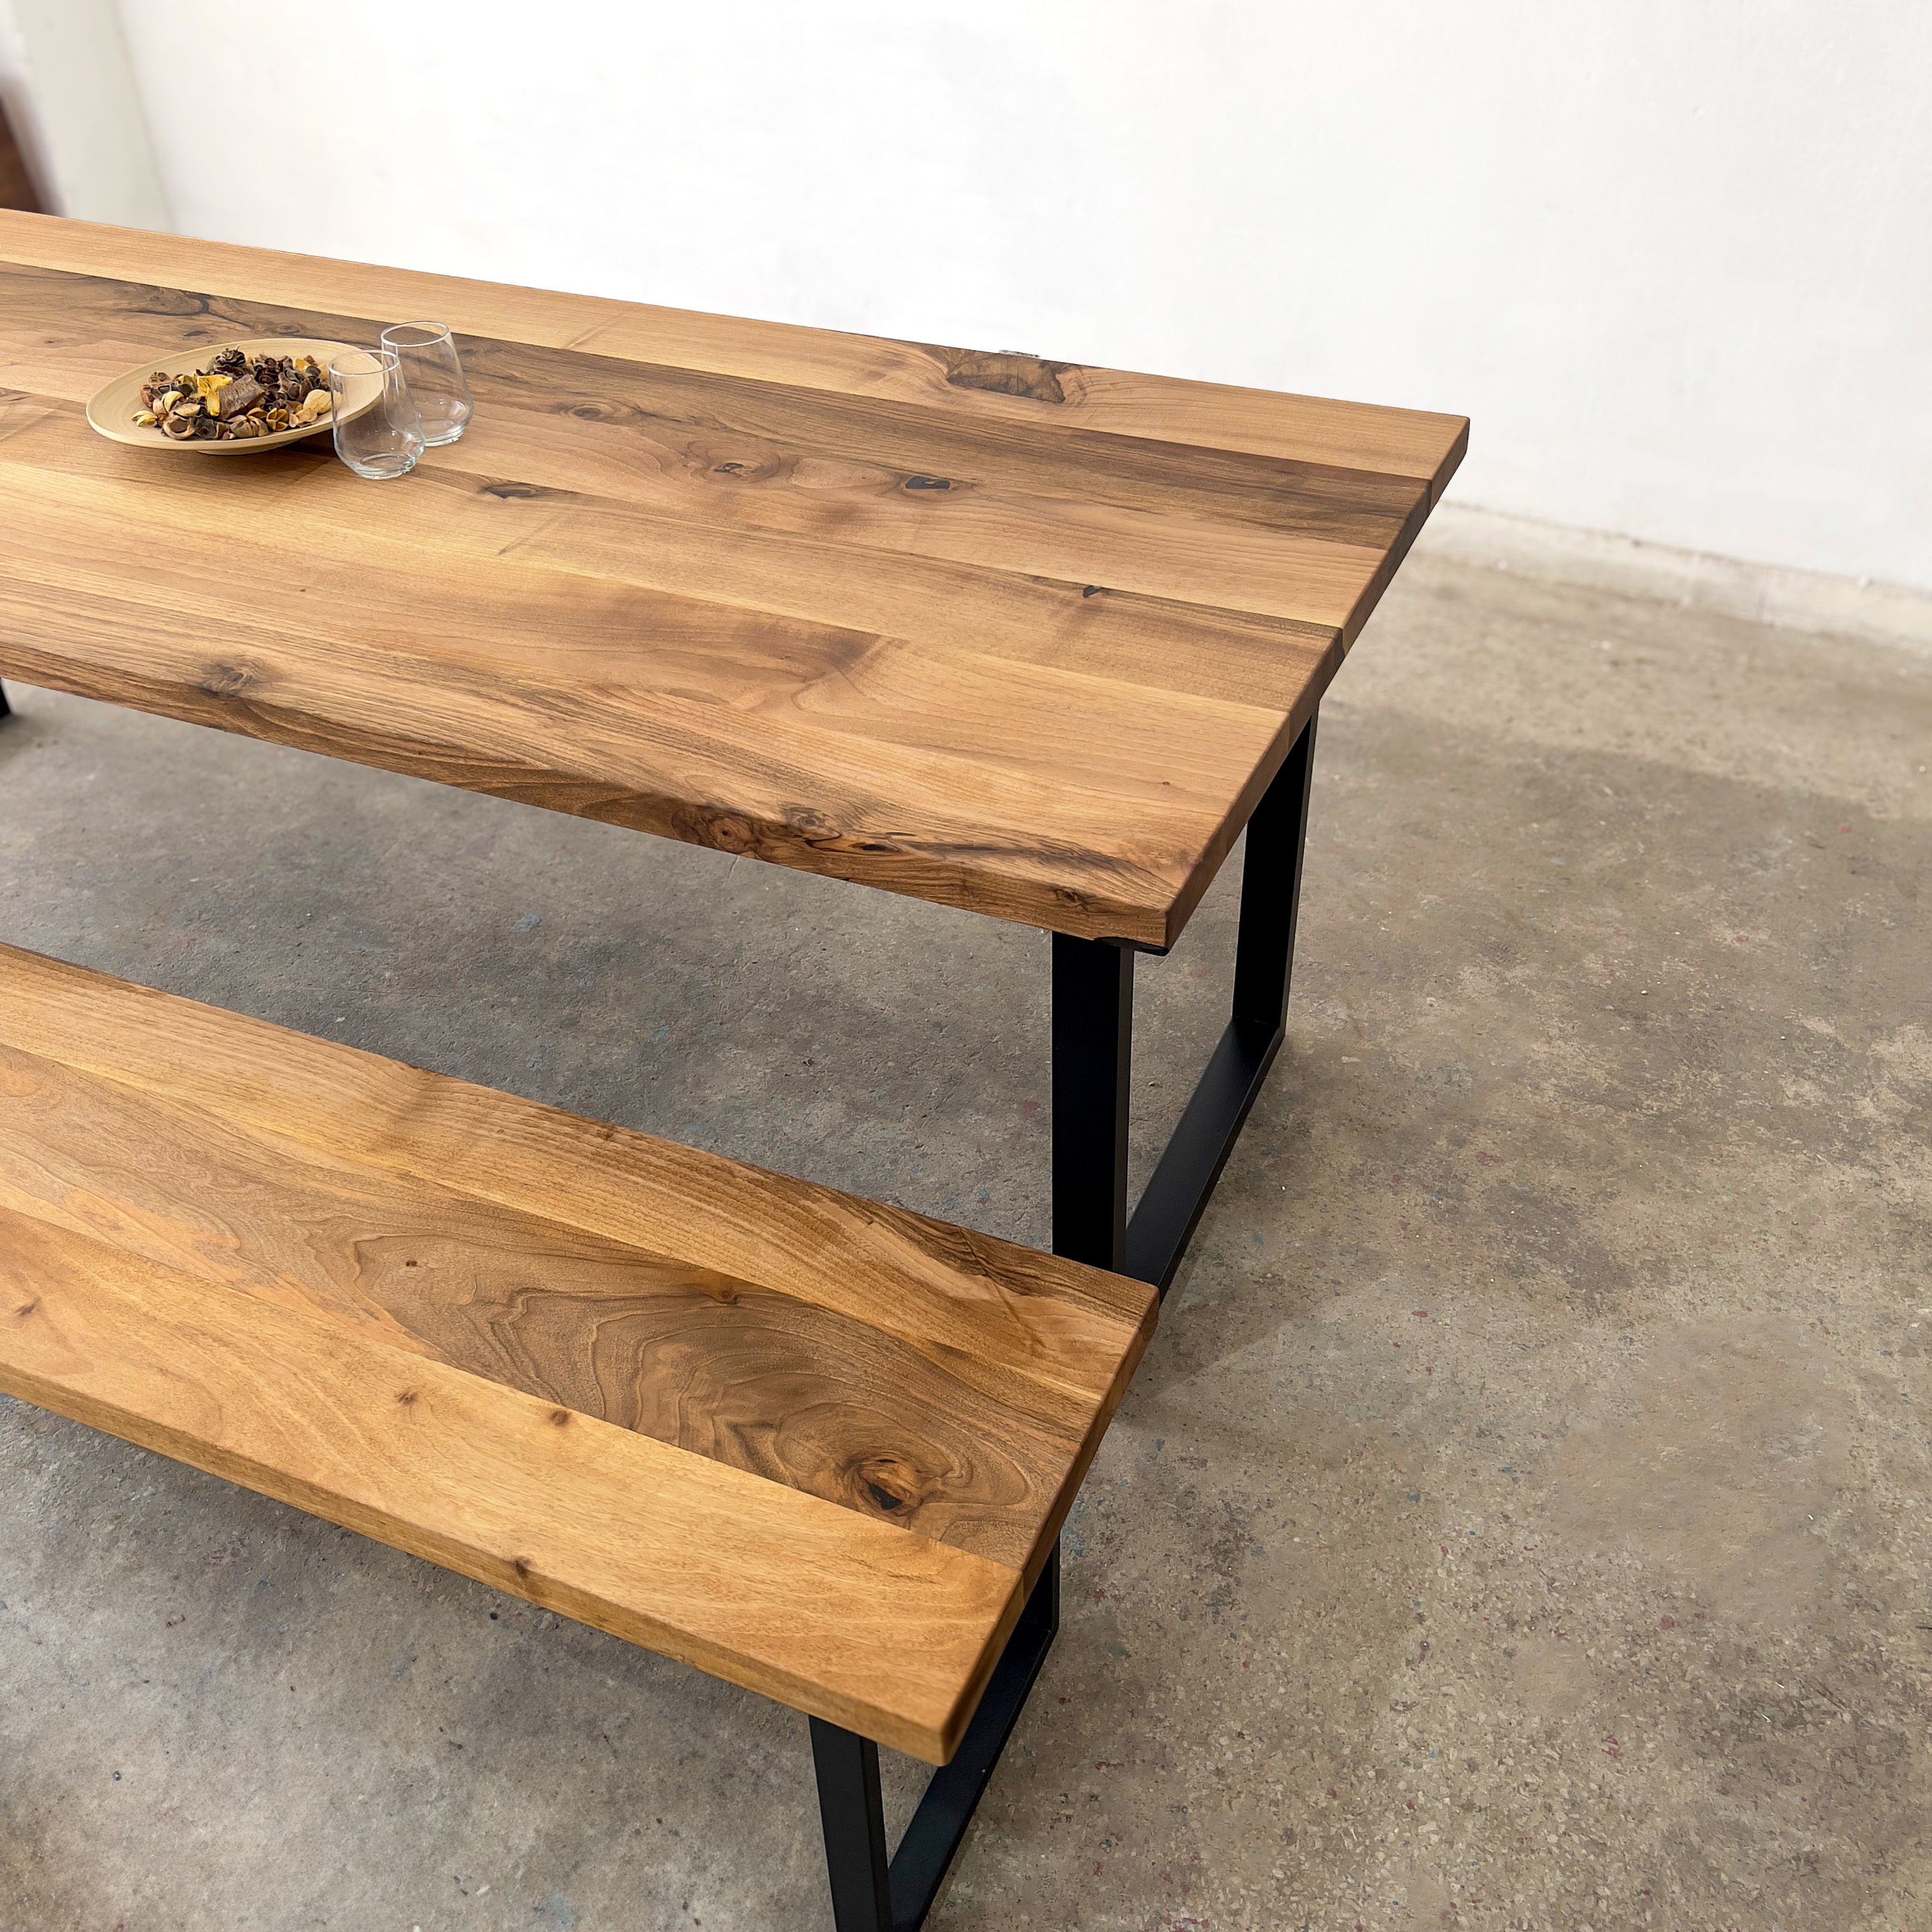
(1022, 637)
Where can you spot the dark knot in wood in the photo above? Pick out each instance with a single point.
(148, 300)
(225, 680)
(1007, 372)
(891, 1485)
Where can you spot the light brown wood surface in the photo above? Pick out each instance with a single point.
(813, 1445)
(1012, 635)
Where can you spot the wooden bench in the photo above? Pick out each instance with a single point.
(818, 1446)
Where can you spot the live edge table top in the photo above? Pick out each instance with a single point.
(1020, 636)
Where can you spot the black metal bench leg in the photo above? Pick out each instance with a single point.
(850, 1811)
(1092, 1037)
(868, 1894)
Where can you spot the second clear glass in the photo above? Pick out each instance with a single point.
(378, 433)
(433, 371)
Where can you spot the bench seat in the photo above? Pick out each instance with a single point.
(815, 1446)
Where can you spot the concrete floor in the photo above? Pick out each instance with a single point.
(1520, 1520)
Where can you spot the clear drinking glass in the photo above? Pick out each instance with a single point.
(378, 431)
(434, 373)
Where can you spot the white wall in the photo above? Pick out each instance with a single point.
(1674, 257)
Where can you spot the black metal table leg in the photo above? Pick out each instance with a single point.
(1271, 890)
(868, 1894)
(6, 709)
(1092, 1032)
(1093, 1053)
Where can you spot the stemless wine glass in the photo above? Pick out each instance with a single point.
(378, 432)
(434, 373)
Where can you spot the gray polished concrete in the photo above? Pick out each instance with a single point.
(1520, 1520)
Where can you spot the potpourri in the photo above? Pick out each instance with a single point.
(235, 398)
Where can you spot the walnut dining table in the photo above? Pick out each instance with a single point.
(1030, 638)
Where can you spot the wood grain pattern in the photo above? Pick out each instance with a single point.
(950, 1386)
(252, 1250)
(1009, 635)
(886, 1633)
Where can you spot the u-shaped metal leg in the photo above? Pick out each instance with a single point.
(1093, 1052)
(871, 1893)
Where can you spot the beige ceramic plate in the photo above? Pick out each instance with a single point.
(112, 410)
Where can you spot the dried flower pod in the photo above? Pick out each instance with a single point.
(316, 405)
(147, 418)
(178, 427)
(240, 396)
(227, 362)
